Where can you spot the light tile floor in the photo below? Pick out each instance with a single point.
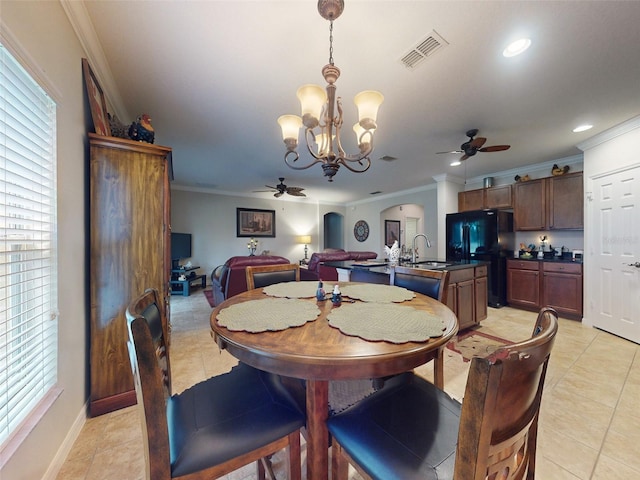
(590, 414)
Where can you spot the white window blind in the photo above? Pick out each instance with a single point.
(28, 271)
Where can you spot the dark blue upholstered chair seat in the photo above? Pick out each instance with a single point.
(227, 416)
(391, 435)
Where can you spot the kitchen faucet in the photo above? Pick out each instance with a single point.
(414, 257)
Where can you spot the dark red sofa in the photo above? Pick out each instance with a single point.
(230, 279)
(317, 270)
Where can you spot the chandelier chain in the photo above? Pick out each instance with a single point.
(331, 42)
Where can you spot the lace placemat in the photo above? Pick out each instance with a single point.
(268, 314)
(373, 292)
(292, 289)
(388, 322)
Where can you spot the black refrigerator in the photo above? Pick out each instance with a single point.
(485, 235)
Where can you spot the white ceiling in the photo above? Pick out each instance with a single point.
(215, 76)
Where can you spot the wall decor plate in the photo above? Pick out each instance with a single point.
(361, 230)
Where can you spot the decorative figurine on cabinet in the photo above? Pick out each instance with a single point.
(142, 130)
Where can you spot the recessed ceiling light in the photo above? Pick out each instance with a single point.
(582, 128)
(517, 47)
(455, 163)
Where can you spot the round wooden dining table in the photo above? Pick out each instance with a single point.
(318, 353)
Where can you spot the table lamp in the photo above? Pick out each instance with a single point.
(305, 240)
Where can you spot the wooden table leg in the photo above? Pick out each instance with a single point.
(318, 435)
(438, 369)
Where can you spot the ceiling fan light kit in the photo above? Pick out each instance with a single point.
(322, 126)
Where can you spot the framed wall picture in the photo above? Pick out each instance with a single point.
(252, 222)
(391, 232)
(96, 101)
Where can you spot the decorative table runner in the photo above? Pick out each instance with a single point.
(388, 322)
(268, 314)
(373, 292)
(292, 289)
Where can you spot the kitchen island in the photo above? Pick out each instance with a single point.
(467, 295)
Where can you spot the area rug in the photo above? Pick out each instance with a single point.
(209, 296)
(475, 343)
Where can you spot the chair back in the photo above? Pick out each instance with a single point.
(433, 283)
(149, 357)
(259, 276)
(499, 418)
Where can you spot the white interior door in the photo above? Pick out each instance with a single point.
(616, 253)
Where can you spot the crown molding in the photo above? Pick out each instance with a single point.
(621, 129)
(83, 27)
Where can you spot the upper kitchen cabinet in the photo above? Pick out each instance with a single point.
(552, 203)
(566, 202)
(485, 198)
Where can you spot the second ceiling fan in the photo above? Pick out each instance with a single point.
(475, 145)
(281, 189)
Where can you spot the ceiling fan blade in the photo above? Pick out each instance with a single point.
(478, 142)
(269, 186)
(261, 191)
(278, 194)
(296, 193)
(464, 157)
(495, 148)
(450, 151)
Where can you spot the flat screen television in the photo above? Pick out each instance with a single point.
(180, 246)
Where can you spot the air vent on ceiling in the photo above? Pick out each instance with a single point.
(388, 158)
(425, 48)
(377, 192)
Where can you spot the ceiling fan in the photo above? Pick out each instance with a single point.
(475, 145)
(281, 189)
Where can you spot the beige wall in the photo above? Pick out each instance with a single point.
(40, 33)
(211, 219)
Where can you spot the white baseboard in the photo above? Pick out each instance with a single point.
(72, 435)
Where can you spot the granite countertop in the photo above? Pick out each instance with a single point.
(552, 259)
(380, 266)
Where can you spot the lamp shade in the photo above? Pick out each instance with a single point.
(290, 125)
(368, 103)
(312, 99)
(304, 239)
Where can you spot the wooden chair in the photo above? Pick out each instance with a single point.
(259, 276)
(214, 427)
(433, 283)
(414, 430)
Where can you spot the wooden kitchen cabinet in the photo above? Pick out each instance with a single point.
(566, 202)
(500, 197)
(129, 252)
(532, 284)
(551, 203)
(471, 200)
(485, 198)
(530, 205)
(481, 294)
(562, 287)
(467, 295)
(523, 283)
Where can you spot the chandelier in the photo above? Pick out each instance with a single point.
(322, 126)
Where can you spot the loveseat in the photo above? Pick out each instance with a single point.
(317, 270)
(230, 278)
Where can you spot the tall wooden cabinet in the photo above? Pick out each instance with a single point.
(129, 248)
